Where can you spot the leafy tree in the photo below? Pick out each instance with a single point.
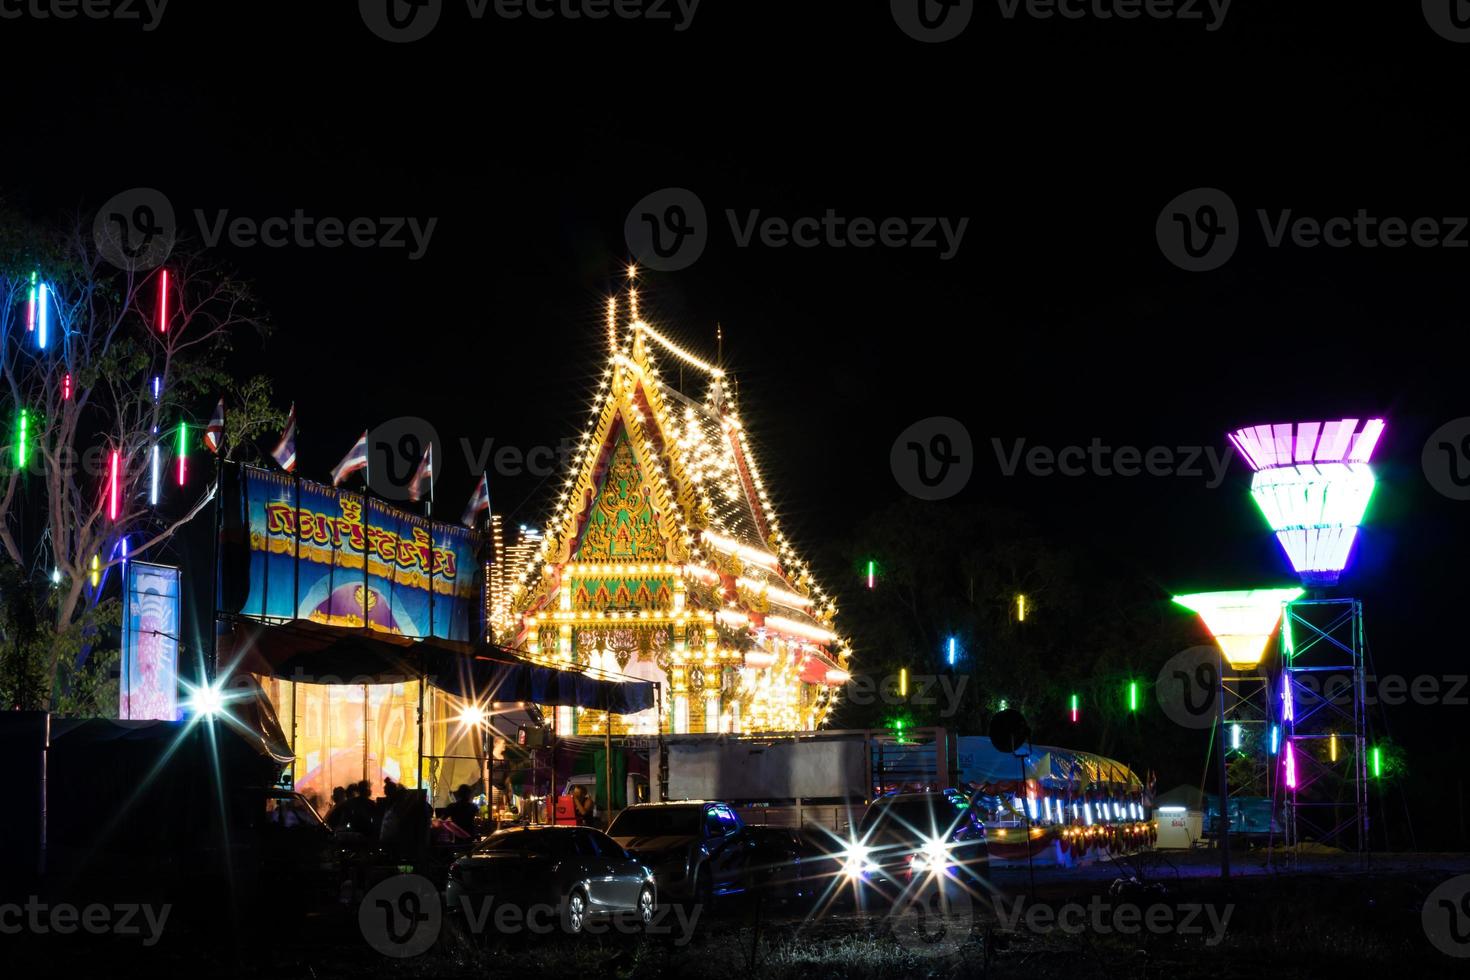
(1091, 626)
(89, 394)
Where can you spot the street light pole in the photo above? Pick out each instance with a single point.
(1223, 773)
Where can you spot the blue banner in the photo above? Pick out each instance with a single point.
(332, 557)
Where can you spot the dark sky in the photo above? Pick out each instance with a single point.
(1059, 319)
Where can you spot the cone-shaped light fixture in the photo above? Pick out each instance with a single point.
(1241, 621)
(1313, 483)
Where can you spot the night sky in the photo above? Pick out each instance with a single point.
(1057, 321)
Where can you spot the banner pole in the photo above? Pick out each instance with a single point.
(219, 500)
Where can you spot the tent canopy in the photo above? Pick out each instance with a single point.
(314, 653)
(980, 762)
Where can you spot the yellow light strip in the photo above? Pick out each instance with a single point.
(581, 615)
(678, 351)
(628, 568)
(784, 625)
(732, 547)
(780, 595)
(733, 617)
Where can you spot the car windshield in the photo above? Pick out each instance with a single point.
(919, 816)
(527, 841)
(657, 822)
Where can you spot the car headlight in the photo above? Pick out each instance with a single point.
(933, 856)
(855, 860)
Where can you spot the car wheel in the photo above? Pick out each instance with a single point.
(646, 906)
(574, 914)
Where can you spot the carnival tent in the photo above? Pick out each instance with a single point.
(982, 764)
(317, 653)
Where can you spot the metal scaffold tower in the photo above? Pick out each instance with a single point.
(1324, 714)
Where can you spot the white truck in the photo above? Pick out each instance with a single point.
(823, 779)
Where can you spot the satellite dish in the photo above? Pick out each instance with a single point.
(1009, 731)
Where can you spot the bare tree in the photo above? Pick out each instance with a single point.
(90, 396)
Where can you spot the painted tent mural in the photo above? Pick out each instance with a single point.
(421, 578)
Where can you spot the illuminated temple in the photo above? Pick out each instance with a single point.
(663, 560)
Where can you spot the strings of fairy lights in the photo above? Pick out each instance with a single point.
(40, 319)
(697, 463)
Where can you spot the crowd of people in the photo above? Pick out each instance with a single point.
(401, 820)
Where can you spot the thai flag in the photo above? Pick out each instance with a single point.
(285, 451)
(214, 436)
(423, 477)
(479, 500)
(356, 459)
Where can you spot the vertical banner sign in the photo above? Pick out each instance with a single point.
(148, 687)
(332, 557)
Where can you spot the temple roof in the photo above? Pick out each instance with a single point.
(699, 494)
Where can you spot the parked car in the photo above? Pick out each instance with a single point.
(700, 850)
(578, 871)
(907, 838)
